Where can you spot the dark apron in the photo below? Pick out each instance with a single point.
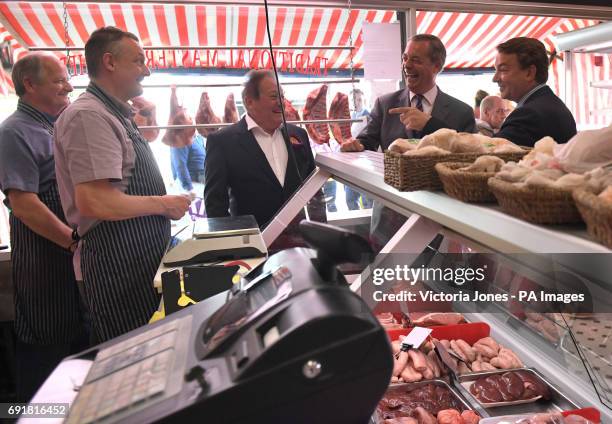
(46, 294)
(119, 259)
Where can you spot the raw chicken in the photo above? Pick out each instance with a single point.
(586, 150)
(442, 138)
(401, 145)
(571, 181)
(469, 143)
(485, 164)
(426, 151)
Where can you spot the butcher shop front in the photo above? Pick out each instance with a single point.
(425, 284)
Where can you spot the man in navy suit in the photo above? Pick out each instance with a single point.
(419, 109)
(521, 71)
(251, 168)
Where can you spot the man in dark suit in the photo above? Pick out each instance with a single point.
(422, 107)
(521, 71)
(251, 169)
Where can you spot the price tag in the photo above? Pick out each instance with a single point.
(417, 336)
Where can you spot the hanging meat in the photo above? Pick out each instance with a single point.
(145, 117)
(205, 115)
(316, 108)
(339, 109)
(291, 113)
(230, 114)
(178, 116)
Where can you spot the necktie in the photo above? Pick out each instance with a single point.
(419, 102)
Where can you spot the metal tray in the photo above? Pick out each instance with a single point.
(558, 401)
(378, 419)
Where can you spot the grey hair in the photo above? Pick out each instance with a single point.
(30, 66)
(252, 82)
(437, 51)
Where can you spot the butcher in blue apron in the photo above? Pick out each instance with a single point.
(111, 188)
(47, 315)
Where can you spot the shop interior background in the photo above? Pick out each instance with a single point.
(470, 39)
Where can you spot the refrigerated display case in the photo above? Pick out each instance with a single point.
(571, 350)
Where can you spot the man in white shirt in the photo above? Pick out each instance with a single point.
(251, 169)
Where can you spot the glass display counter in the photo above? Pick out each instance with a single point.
(569, 345)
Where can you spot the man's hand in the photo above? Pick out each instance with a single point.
(411, 117)
(351, 145)
(175, 207)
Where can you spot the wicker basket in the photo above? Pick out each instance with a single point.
(411, 173)
(597, 214)
(465, 186)
(541, 205)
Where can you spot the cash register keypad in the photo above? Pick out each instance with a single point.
(130, 374)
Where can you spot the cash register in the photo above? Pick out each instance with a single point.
(290, 344)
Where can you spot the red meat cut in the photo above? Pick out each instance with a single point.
(230, 114)
(178, 116)
(339, 109)
(205, 115)
(145, 117)
(291, 113)
(316, 108)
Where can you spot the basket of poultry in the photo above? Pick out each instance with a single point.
(468, 181)
(539, 188)
(596, 210)
(410, 164)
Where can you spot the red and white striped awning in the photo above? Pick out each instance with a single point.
(41, 24)
(470, 38)
(6, 84)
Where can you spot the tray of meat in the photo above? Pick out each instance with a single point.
(424, 403)
(470, 332)
(415, 364)
(516, 391)
(390, 321)
(470, 346)
(577, 416)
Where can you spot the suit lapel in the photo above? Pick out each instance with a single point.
(291, 174)
(441, 106)
(247, 140)
(403, 100)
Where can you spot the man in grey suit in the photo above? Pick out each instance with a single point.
(419, 109)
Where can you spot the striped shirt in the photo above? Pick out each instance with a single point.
(526, 96)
